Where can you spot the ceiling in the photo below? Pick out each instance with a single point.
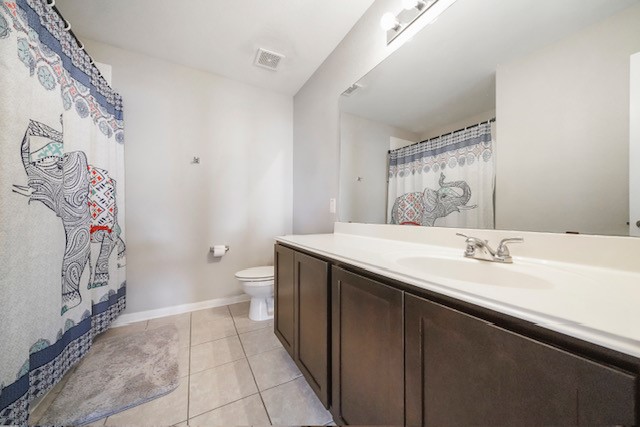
(222, 36)
(446, 73)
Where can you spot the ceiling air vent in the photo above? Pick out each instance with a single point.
(267, 59)
(354, 87)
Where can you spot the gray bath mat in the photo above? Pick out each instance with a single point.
(117, 374)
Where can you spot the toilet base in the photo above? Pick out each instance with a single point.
(261, 309)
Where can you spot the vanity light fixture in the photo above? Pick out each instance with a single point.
(389, 22)
(394, 25)
(351, 89)
(413, 4)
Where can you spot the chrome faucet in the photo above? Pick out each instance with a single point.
(480, 249)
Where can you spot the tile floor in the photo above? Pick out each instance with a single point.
(233, 372)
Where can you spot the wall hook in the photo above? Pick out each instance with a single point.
(195, 161)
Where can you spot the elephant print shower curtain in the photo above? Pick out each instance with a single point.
(62, 275)
(446, 181)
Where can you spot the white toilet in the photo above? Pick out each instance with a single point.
(258, 283)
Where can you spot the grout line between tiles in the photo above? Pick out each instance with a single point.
(104, 421)
(256, 330)
(250, 330)
(217, 339)
(264, 406)
(213, 321)
(199, 372)
(264, 351)
(269, 351)
(226, 404)
(286, 382)
(221, 365)
(218, 366)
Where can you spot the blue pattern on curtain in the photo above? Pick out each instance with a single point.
(441, 145)
(62, 265)
(445, 181)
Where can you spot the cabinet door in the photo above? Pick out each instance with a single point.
(462, 370)
(367, 351)
(606, 396)
(284, 297)
(312, 323)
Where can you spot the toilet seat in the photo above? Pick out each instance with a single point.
(256, 274)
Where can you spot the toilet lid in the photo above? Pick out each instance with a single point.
(255, 273)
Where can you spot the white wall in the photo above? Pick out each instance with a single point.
(634, 147)
(106, 70)
(240, 194)
(316, 114)
(364, 145)
(563, 128)
(396, 143)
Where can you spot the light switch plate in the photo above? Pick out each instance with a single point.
(332, 206)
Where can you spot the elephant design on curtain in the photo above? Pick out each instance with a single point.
(84, 197)
(424, 208)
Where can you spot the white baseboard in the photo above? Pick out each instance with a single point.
(141, 316)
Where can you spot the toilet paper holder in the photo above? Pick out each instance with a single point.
(226, 249)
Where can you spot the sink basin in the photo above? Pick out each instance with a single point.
(478, 272)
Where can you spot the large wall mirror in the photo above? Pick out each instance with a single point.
(501, 114)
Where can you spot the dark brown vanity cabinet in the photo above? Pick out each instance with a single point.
(367, 351)
(379, 352)
(301, 296)
(461, 370)
(284, 297)
(312, 322)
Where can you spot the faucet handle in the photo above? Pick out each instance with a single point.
(503, 250)
(472, 240)
(470, 250)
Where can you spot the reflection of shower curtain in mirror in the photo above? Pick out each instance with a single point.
(446, 181)
(62, 243)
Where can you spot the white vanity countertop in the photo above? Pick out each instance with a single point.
(596, 304)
